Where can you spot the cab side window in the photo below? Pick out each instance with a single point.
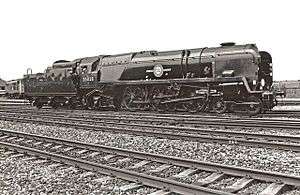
(94, 66)
(83, 69)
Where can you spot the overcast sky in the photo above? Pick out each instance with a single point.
(35, 33)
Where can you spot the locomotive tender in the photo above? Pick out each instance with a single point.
(235, 78)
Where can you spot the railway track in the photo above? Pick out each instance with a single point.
(175, 119)
(14, 102)
(275, 113)
(283, 113)
(29, 145)
(166, 173)
(288, 101)
(283, 142)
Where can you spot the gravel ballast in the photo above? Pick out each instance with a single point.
(250, 157)
(18, 175)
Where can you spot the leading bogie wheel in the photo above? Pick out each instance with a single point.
(219, 106)
(254, 106)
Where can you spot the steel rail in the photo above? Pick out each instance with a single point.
(166, 135)
(187, 163)
(14, 100)
(283, 113)
(13, 104)
(132, 176)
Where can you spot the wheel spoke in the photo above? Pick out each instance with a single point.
(132, 94)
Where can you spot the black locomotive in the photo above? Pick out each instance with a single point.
(235, 78)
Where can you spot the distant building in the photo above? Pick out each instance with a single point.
(291, 88)
(2, 87)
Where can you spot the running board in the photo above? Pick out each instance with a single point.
(242, 103)
(183, 99)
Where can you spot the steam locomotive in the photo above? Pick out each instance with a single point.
(234, 78)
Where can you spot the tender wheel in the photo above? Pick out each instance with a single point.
(72, 103)
(219, 106)
(37, 103)
(54, 104)
(255, 105)
(39, 106)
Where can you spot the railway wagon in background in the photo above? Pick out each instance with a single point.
(290, 88)
(15, 89)
(236, 78)
(2, 87)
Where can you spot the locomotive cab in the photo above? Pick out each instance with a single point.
(265, 77)
(265, 72)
